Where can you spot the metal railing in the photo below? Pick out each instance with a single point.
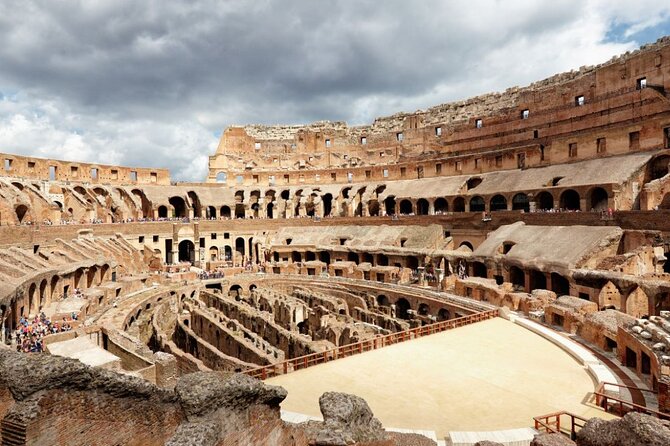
(621, 407)
(551, 423)
(302, 362)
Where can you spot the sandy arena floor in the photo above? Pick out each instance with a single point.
(487, 376)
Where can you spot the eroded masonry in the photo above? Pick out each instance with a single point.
(135, 310)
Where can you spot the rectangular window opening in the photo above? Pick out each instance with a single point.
(580, 100)
(385, 173)
(94, 173)
(438, 131)
(399, 136)
(438, 168)
(133, 176)
(525, 114)
(364, 140)
(31, 165)
(601, 145)
(53, 170)
(479, 123)
(499, 161)
(634, 141)
(154, 177)
(641, 83)
(115, 174)
(8, 165)
(403, 171)
(328, 143)
(572, 149)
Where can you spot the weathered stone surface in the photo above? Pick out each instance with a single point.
(634, 429)
(552, 440)
(488, 443)
(347, 419)
(204, 392)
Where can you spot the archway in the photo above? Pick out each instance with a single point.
(213, 254)
(477, 204)
(422, 207)
(560, 285)
(517, 277)
(269, 210)
(327, 201)
(239, 246)
(423, 310)
(162, 211)
(570, 200)
(221, 177)
(186, 251)
(441, 205)
(520, 202)
(21, 213)
(179, 207)
(324, 256)
(383, 301)
(211, 212)
(225, 212)
(479, 269)
(443, 315)
(406, 207)
(544, 201)
(239, 210)
(598, 199)
(373, 208)
(402, 308)
(459, 204)
(538, 281)
(389, 205)
(467, 245)
(498, 203)
(43, 293)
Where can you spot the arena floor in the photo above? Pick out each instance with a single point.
(487, 376)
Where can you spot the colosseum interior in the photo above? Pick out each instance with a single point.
(490, 269)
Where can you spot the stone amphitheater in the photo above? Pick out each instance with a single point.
(491, 271)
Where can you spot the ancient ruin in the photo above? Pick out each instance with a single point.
(135, 310)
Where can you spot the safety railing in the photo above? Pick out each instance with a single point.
(621, 407)
(552, 423)
(302, 362)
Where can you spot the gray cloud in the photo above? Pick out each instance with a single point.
(153, 83)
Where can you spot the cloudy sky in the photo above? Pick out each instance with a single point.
(153, 83)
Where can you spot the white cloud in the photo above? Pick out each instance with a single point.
(152, 83)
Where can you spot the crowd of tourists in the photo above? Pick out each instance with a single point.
(29, 335)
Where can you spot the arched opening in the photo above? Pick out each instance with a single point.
(269, 210)
(254, 209)
(382, 260)
(309, 256)
(477, 204)
(479, 269)
(423, 310)
(467, 245)
(659, 167)
(43, 293)
(389, 205)
(211, 212)
(186, 251)
(520, 202)
(225, 212)
(441, 205)
(179, 207)
(327, 201)
(324, 256)
(538, 281)
(32, 295)
(422, 207)
(239, 210)
(517, 277)
(383, 301)
(195, 204)
(228, 253)
(598, 199)
(234, 291)
(405, 207)
(402, 308)
(498, 203)
(221, 177)
(21, 213)
(213, 254)
(570, 200)
(54, 287)
(474, 182)
(443, 315)
(296, 256)
(560, 285)
(373, 208)
(239, 247)
(352, 257)
(544, 201)
(459, 204)
(162, 211)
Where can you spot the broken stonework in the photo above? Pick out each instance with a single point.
(634, 429)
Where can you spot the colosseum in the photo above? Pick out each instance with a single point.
(489, 271)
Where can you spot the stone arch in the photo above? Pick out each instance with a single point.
(544, 201)
(459, 204)
(389, 205)
(570, 200)
(383, 301)
(466, 244)
(221, 177)
(373, 208)
(441, 205)
(560, 285)
(327, 200)
(55, 280)
(211, 212)
(162, 211)
(225, 212)
(213, 253)
(598, 199)
(479, 269)
(22, 213)
(32, 298)
(423, 310)
(179, 207)
(498, 203)
(43, 293)
(443, 315)
(186, 251)
(637, 304)
(422, 207)
(406, 207)
(239, 247)
(477, 204)
(402, 307)
(520, 202)
(537, 279)
(517, 277)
